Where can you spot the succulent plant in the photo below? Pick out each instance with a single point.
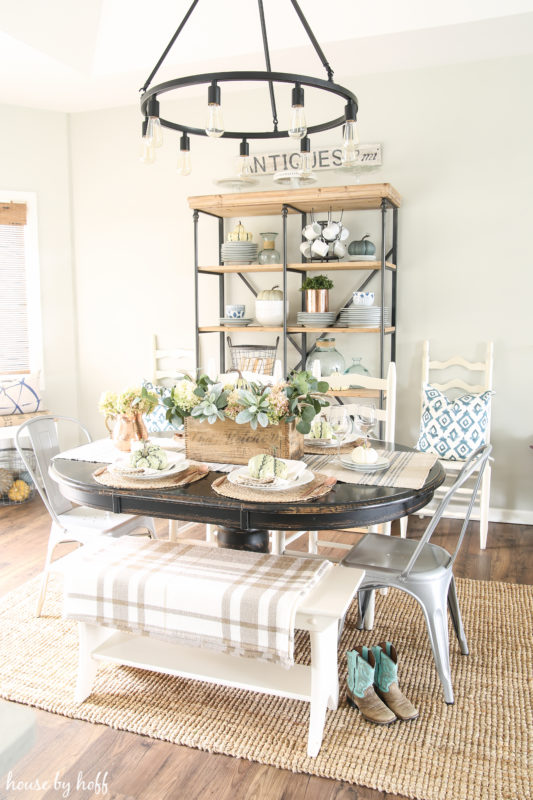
(256, 408)
(214, 401)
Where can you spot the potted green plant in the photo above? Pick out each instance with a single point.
(317, 293)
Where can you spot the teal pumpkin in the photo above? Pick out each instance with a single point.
(362, 247)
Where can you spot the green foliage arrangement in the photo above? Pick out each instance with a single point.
(247, 402)
(318, 282)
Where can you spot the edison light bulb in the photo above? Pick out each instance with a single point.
(214, 126)
(298, 124)
(147, 155)
(147, 152)
(350, 143)
(154, 131)
(184, 163)
(244, 169)
(184, 166)
(305, 163)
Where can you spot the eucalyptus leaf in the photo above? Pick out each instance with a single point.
(303, 427)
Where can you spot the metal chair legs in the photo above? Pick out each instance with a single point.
(457, 621)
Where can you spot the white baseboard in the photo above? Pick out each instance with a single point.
(516, 516)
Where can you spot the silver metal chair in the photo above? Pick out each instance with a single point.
(423, 570)
(69, 523)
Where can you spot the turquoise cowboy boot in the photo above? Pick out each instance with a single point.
(360, 691)
(386, 681)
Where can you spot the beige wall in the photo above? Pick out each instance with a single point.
(34, 157)
(456, 143)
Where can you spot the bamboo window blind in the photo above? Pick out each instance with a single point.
(14, 333)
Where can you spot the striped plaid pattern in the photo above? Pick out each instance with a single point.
(231, 601)
(407, 470)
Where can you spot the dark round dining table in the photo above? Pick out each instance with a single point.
(245, 525)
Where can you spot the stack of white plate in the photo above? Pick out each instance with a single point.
(363, 317)
(320, 319)
(239, 252)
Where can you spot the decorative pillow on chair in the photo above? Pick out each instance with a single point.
(157, 421)
(453, 429)
(19, 395)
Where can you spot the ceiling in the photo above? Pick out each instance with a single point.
(77, 55)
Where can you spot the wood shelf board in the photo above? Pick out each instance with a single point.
(337, 198)
(290, 329)
(315, 266)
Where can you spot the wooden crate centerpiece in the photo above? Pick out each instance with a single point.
(229, 443)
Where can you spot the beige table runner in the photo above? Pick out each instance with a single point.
(230, 601)
(407, 470)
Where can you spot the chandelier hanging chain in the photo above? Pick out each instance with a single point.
(313, 40)
(268, 65)
(167, 49)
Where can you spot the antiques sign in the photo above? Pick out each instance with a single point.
(368, 155)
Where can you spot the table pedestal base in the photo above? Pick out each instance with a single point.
(237, 539)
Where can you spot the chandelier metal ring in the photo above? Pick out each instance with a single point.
(245, 76)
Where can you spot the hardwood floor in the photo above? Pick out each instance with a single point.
(134, 766)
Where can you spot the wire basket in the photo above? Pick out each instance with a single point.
(253, 357)
(16, 485)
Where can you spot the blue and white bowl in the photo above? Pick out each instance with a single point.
(235, 311)
(363, 298)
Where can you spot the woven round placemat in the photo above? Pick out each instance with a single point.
(107, 478)
(252, 495)
(317, 450)
(477, 749)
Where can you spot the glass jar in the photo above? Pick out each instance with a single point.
(328, 357)
(268, 255)
(356, 368)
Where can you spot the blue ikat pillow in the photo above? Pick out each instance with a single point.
(157, 421)
(453, 429)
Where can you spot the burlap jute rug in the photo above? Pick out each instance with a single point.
(477, 748)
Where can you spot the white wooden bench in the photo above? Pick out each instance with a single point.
(319, 613)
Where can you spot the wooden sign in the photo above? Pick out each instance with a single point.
(368, 155)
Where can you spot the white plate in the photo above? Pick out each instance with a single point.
(176, 461)
(327, 443)
(381, 464)
(283, 486)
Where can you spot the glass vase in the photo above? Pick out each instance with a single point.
(268, 255)
(356, 368)
(328, 357)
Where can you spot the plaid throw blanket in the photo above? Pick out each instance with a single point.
(230, 601)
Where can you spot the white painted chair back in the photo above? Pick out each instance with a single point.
(457, 384)
(168, 364)
(42, 434)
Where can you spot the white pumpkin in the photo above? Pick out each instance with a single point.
(364, 455)
(271, 294)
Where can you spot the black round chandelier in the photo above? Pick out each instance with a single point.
(298, 129)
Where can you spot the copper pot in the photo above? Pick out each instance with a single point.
(316, 300)
(126, 430)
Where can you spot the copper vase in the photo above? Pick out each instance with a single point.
(128, 429)
(316, 300)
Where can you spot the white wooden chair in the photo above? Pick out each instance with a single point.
(168, 364)
(458, 385)
(387, 416)
(69, 523)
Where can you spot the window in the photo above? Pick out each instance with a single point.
(20, 317)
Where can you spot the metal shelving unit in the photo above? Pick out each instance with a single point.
(381, 197)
